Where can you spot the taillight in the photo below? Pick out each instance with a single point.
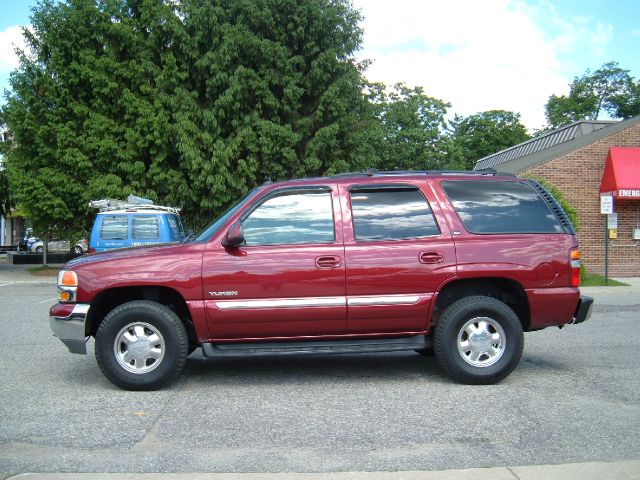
(575, 268)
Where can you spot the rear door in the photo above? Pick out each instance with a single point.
(398, 251)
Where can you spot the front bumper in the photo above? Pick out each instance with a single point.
(583, 310)
(68, 324)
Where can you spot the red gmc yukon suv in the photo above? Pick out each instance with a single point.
(455, 263)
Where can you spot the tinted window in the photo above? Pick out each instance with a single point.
(114, 227)
(292, 217)
(145, 227)
(500, 207)
(175, 226)
(391, 214)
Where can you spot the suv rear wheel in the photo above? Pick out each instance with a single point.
(141, 345)
(478, 340)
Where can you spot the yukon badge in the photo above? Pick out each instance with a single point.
(230, 293)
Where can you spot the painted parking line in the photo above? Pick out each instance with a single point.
(49, 300)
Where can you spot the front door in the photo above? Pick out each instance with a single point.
(288, 279)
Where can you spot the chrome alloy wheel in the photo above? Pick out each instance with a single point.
(139, 347)
(481, 342)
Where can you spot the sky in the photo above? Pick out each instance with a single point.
(476, 55)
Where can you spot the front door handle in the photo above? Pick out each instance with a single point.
(328, 262)
(431, 257)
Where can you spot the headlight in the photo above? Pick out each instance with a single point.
(67, 286)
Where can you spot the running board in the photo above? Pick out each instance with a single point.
(215, 350)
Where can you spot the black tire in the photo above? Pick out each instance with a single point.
(490, 352)
(39, 250)
(141, 345)
(77, 249)
(426, 352)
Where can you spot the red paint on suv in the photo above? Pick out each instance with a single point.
(455, 263)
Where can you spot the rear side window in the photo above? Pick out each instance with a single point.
(391, 213)
(145, 227)
(114, 227)
(495, 206)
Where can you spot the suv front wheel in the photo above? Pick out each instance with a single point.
(478, 340)
(141, 345)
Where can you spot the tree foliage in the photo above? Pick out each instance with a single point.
(5, 195)
(485, 133)
(609, 89)
(190, 103)
(411, 131)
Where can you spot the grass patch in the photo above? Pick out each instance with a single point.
(43, 271)
(591, 280)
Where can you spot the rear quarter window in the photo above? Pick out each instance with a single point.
(494, 206)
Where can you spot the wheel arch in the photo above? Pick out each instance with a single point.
(106, 301)
(506, 290)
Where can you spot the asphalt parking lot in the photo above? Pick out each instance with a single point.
(574, 398)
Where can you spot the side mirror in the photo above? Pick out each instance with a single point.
(234, 237)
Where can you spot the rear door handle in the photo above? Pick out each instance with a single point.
(431, 257)
(328, 262)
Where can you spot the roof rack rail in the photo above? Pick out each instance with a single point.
(373, 172)
(137, 203)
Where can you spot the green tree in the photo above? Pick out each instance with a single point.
(609, 89)
(482, 134)
(411, 129)
(189, 103)
(5, 196)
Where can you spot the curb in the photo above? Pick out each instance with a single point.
(622, 470)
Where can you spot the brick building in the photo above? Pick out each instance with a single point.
(573, 159)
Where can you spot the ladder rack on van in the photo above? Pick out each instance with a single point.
(110, 204)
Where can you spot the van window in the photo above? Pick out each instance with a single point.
(175, 226)
(145, 227)
(114, 227)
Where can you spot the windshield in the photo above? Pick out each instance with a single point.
(208, 232)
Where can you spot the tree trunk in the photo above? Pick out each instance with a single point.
(45, 249)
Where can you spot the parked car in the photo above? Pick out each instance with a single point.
(79, 248)
(135, 225)
(24, 245)
(461, 263)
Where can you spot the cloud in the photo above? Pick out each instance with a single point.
(10, 38)
(478, 56)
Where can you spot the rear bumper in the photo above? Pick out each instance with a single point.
(583, 310)
(68, 324)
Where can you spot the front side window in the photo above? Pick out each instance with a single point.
(291, 217)
(175, 226)
(114, 227)
(391, 213)
(497, 206)
(145, 227)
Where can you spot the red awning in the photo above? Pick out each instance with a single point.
(621, 177)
